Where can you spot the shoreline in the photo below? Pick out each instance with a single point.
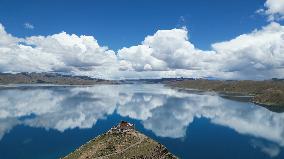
(270, 97)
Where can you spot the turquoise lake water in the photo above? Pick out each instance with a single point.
(47, 122)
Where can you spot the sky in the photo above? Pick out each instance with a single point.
(144, 38)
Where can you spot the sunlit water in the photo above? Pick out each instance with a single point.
(45, 122)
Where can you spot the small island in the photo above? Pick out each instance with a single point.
(121, 141)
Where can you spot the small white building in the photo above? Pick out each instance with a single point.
(123, 126)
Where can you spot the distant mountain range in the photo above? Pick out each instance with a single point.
(60, 79)
(48, 78)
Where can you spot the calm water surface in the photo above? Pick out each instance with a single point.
(46, 122)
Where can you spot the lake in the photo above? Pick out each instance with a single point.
(46, 122)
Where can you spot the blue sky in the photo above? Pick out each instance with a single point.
(240, 39)
(119, 23)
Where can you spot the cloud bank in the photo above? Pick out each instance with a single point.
(167, 53)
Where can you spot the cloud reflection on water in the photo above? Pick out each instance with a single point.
(164, 111)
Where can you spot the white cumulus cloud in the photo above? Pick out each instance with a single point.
(256, 55)
(55, 53)
(274, 9)
(165, 50)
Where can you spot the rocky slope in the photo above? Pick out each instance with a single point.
(120, 143)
